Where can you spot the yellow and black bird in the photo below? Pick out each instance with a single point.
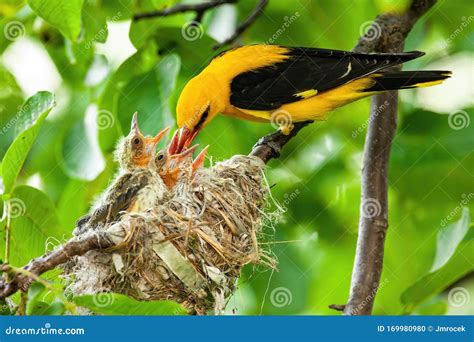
(265, 82)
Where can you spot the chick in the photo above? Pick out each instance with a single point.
(173, 165)
(130, 189)
(135, 150)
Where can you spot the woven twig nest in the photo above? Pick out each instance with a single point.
(191, 247)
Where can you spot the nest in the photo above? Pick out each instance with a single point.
(191, 247)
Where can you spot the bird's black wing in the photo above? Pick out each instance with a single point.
(307, 70)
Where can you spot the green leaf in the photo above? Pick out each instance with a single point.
(30, 118)
(34, 223)
(64, 15)
(54, 309)
(449, 239)
(117, 304)
(5, 308)
(460, 264)
(438, 307)
(34, 295)
(149, 95)
(41, 308)
(11, 98)
(141, 62)
(80, 151)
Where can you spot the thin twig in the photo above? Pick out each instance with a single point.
(182, 8)
(7, 211)
(21, 310)
(337, 307)
(257, 11)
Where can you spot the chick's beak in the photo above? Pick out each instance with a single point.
(180, 157)
(156, 139)
(153, 141)
(135, 129)
(181, 140)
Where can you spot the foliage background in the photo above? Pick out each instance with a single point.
(102, 67)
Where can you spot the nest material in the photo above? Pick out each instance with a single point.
(191, 247)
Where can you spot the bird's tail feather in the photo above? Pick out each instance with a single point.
(407, 79)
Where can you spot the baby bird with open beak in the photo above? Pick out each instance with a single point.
(135, 150)
(130, 190)
(176, 162)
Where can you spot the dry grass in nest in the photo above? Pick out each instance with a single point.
(191, 247)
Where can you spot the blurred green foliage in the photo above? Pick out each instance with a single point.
(53, 167)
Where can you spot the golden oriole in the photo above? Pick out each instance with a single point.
(290, 84)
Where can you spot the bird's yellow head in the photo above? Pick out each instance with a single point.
(199, 102)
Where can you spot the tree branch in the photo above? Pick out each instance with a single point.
(182, 8)
(257, 11)
(392, 30)
(269, 146)
(201, 8)
(74, 247)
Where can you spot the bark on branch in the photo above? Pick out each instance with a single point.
(74, 247)
(392, 30)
